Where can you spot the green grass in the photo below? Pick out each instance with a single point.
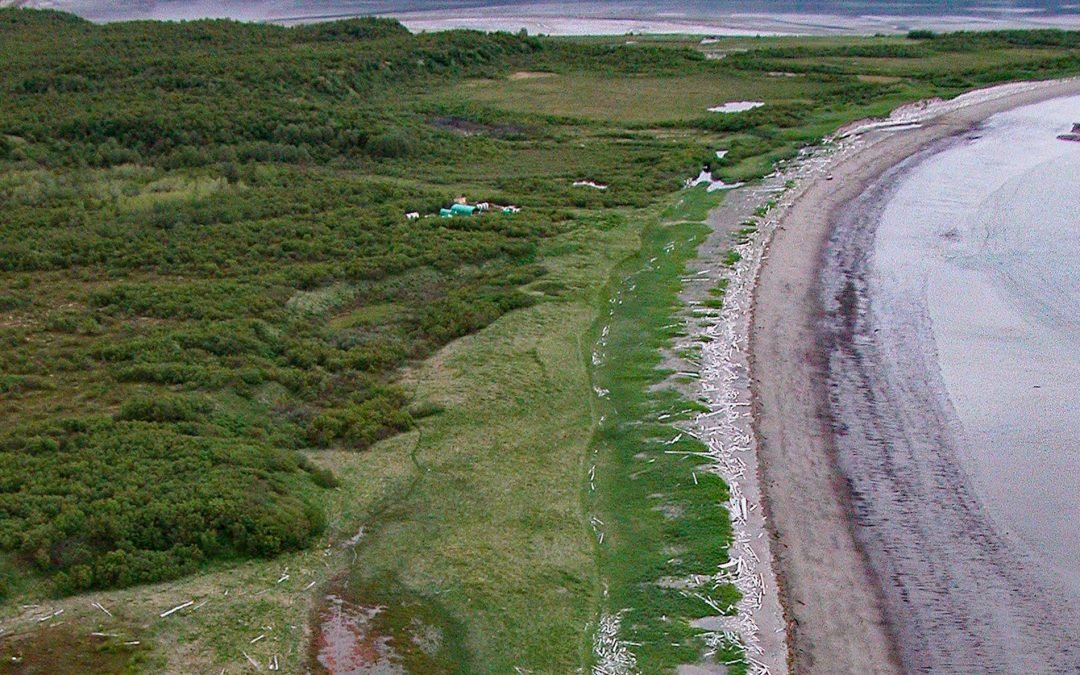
(367, 315)
(490, 522)
(630, 100)
(692, 205)
(662, 513)
(764, 209)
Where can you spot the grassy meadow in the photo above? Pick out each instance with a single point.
(234, 374)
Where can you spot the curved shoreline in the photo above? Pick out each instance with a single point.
(964, 591)
(833, 603)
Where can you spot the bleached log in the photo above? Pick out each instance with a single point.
(167, 612)
(53, 615)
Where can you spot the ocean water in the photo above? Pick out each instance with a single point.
(951, 291)
(987, 234)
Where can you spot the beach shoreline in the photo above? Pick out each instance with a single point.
(834, 605)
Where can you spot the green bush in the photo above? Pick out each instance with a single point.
(360, 424)
(104, 504)
(10, 302)
(164, 408)
(390, 144)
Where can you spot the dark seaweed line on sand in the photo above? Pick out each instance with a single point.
(959, 598)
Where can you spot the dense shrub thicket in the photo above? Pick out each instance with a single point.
(146, 497)
(909, 59)
(965, 41)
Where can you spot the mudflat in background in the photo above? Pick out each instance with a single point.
(611, 17)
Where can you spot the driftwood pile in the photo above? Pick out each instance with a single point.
(613, 656)
(726, 428)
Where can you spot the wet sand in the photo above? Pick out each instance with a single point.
(967, 588)
(841, 611)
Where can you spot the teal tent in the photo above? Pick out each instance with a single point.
(462, 209)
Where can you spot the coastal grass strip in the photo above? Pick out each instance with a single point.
(660, 510)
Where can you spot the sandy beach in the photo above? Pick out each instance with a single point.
(837, 609)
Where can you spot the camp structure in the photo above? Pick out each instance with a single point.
(461, 207)
(412, 215)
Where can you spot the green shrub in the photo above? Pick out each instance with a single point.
(164, 408)
(104, 504)
(359, 425)
(390, 144)
(10, 302)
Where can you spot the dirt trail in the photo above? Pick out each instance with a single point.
(834, 605)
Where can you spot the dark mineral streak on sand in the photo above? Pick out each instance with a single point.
(886, 562)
